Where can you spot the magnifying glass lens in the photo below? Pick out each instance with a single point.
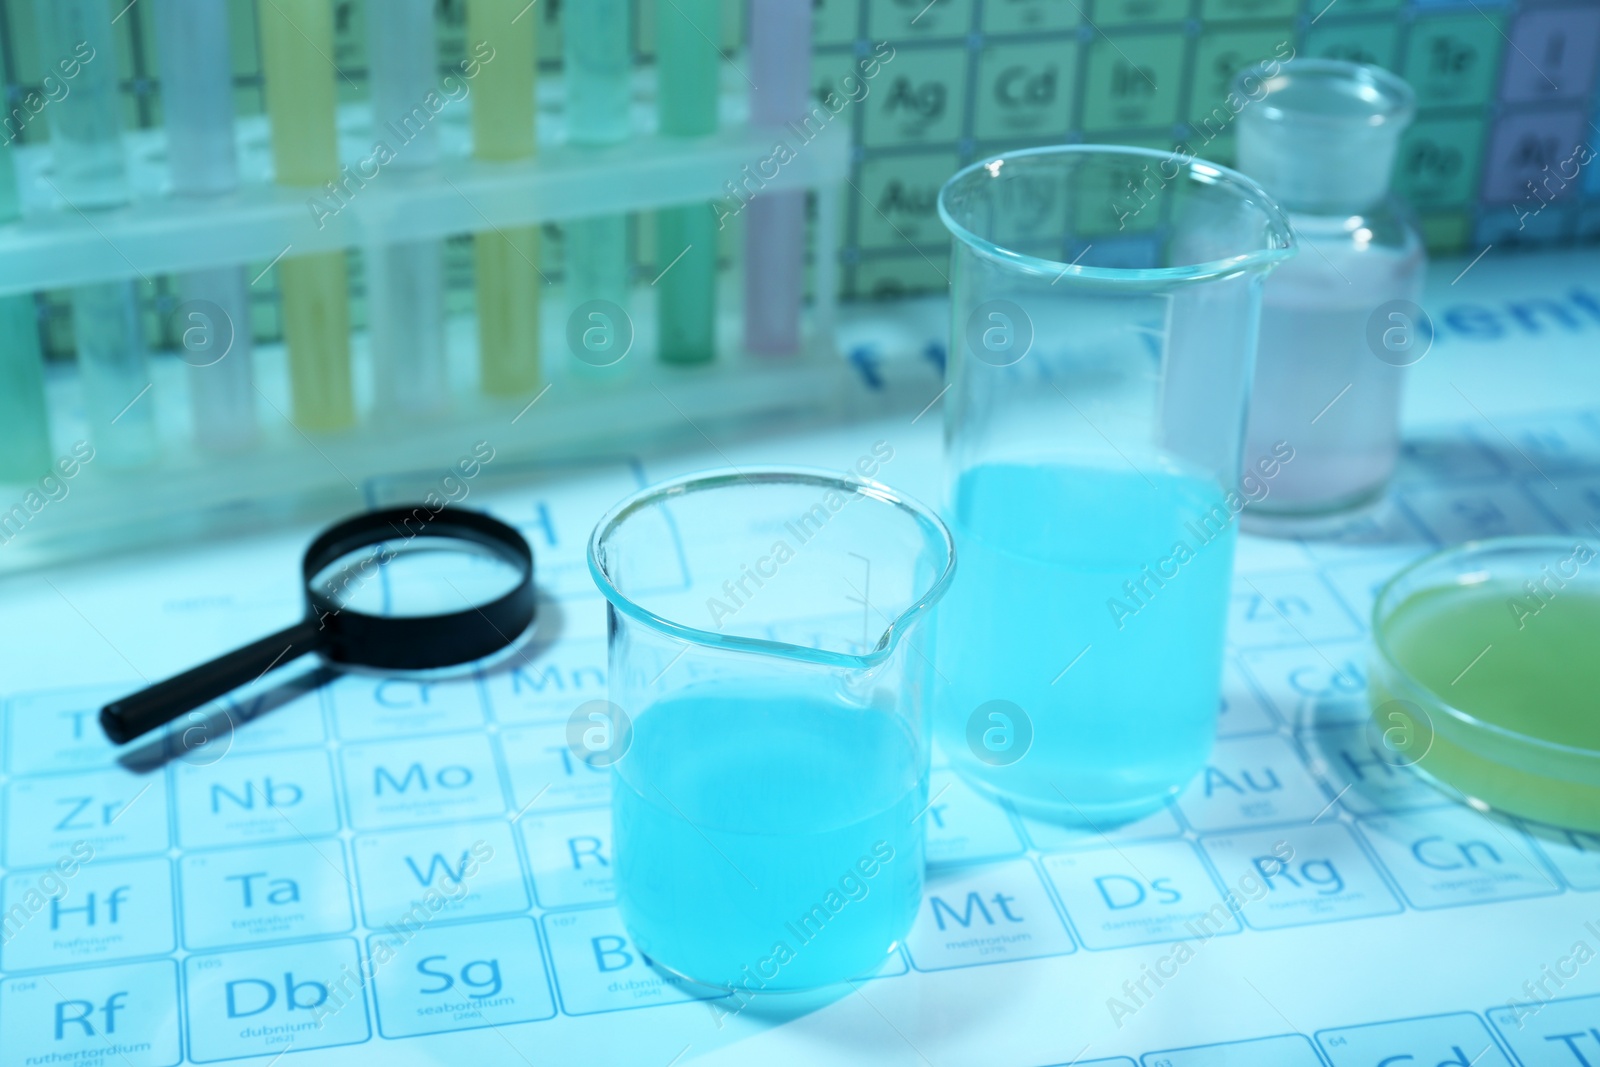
(377, 596)
(417, 577)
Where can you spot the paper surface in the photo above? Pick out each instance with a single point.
(231, 902)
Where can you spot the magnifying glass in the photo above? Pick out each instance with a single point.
(398, 589)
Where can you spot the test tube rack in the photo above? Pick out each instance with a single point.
(56, 246)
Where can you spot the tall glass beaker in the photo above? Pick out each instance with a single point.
(767, 729)
(1105, 306)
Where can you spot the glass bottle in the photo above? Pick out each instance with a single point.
(1341, 322)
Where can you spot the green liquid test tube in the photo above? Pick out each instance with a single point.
(24, 413)
(688, 65)
(297, 61)
(503, 125)
(599, 72)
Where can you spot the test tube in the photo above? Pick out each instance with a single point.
(76, 48)
(197, 99)
(599, 71)
(296, 38)
(24, 413)
(503, 118)
(775, 231)
(688, 66)
(90, 171)
(405, 280)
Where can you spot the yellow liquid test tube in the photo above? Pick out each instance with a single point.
(503, 129)
(297, 61)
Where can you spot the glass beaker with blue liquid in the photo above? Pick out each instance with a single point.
(767, 735)
(1105, 305)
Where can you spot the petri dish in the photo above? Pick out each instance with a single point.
(1485, 675)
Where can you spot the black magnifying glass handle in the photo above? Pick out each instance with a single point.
(128, 718)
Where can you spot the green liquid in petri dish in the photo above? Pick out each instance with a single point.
(1525, 665)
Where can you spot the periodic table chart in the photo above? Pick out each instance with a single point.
(404, 871)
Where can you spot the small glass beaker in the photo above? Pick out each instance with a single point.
(1105, 306)
(767, 733)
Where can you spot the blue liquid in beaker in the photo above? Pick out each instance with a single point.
(1045, 552)
(746, 820)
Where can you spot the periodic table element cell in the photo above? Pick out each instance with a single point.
(1368, 777)
(1117, 223)
(1440, 161)
(460, 978)
(265, 1001)
(1565, 442)
(599, 969)
(1050, 836)
(546, 775)
(1461, 1038)
(1452, 59)
(287, 796)
(59, 730)
(1471, 513)
(549, 685)
(571, 857)
(460, 871)
(1030, 16)
(111, 813)
(1314, 687)
(1221, 54)
(1240, 710)
(1551, 1033)
(888, 277)
(1026, 90)
(1285, 1050)
(839, 76)
(267, 893)
(963, 827)
(906, 20)
(1375, 41)
(1537, 158)
(1227, 10)
(1139, 895)
(108, 911)
(1552, 56)
(277, 713)
(1133, 81)
(1139, 12)
(367, 707)
(1575, 855)
(984, 915)
(408, 783)
(1298, 875)
(834, 21)
(918, 98)
(1287, 608)
(1251, 781)
(1448, 857)
(126, 1015)
(1458, 455)
(1358, 583)
(899, 208)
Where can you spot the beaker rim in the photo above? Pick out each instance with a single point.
(701, 481)
(1279, 245)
